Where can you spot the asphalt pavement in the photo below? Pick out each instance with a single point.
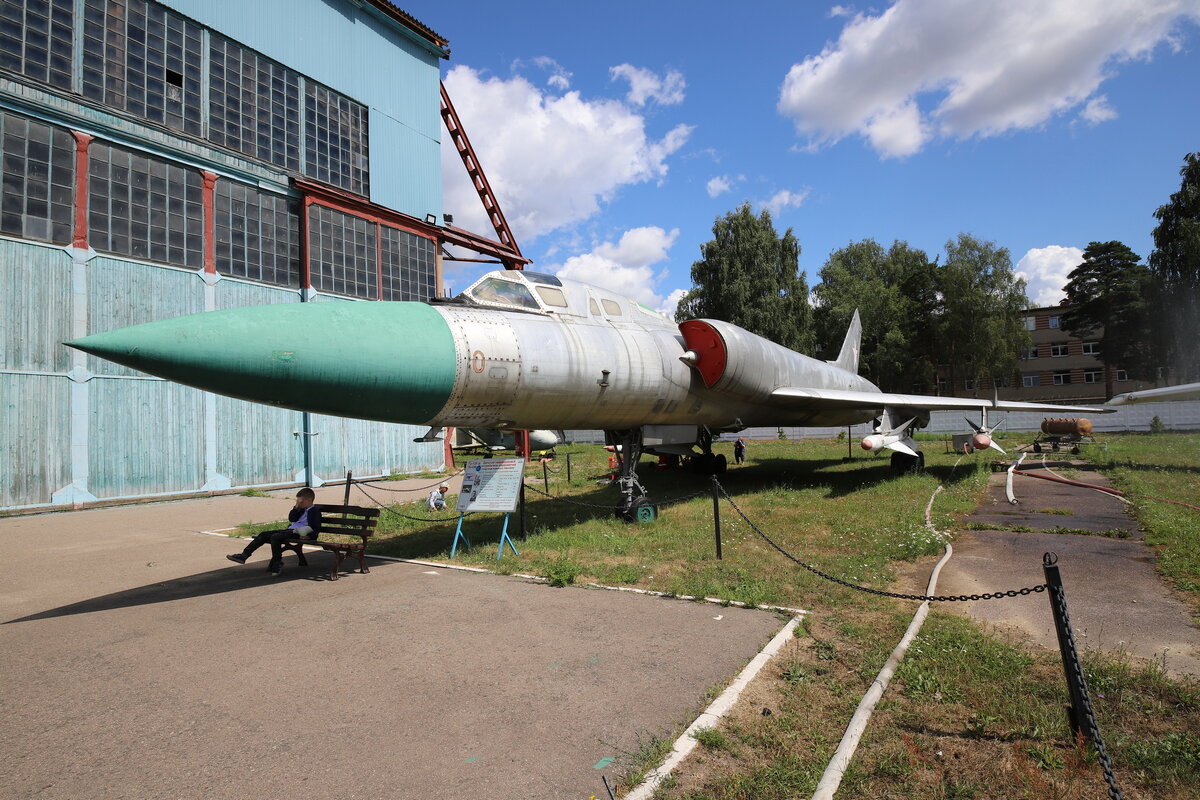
(136, 662)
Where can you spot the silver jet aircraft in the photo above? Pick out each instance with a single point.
(522, 350)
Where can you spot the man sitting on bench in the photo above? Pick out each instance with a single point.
(305, 523)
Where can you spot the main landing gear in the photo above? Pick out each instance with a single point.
(903, 463)
(704, 462)
(627, 446)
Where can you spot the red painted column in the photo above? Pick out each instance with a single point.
(210, 222)
(378, 261)
(305, 267)
(82, 140)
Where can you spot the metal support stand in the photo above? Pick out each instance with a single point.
(545, 477)
(505, 538)
(568, 467)
(349, 483)
(1072, 670)
(627, 447)
(524, 524)
(458, 534)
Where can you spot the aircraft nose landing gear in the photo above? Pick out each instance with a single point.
(635, 504)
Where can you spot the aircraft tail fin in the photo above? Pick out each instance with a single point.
(848, 358)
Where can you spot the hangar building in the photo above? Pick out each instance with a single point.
(172, 157)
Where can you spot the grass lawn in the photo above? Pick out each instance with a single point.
(969, 715)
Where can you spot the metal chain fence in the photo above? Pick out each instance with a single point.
(867, 589)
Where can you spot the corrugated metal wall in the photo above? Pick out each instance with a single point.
(139, 436)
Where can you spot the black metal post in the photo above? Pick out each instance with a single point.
(524, 529)
(568, 467)
(716, 490)
(849, 444)
(545, 477)
(349, 480)
(1072, 669)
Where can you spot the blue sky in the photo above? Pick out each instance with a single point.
(614, 134)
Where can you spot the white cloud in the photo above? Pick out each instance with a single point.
(840, 11)
(1045, 270)
(718, 185)
(559, 78)
(669, 305)
(1098, 110)
(551, 160)
(626, 267)
(926, 68)
(645, 85)
(784, 199)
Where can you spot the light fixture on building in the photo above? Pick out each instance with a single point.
(449, 218)
(431, 219)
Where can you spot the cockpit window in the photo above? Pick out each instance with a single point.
(495, 290)
(592, 307)
(551, 296)
(541, 277)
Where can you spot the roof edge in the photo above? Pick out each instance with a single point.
(410, 24)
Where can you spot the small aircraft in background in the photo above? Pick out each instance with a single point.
(494, 440)
(521, 350)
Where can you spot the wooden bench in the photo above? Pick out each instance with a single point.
(340, 521)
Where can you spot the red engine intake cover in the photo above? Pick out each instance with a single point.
(705, 341)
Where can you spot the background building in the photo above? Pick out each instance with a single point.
(1056, 367)
(167, 158)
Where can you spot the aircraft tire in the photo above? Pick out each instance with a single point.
(903, 463)
(720, 464)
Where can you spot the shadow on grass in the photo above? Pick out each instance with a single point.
(218, 581)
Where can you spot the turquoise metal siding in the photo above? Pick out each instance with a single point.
(235, 294)
(34, 438)
(343, 46)
(257, 444)
(369, 448)
(400, 173)
(35, 313)
(123, 293)
(147, 437)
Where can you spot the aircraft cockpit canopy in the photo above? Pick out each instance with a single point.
(516, 291)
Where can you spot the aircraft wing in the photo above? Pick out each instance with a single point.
(1184, 391)
(844, 398)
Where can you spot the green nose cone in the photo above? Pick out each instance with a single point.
(393, 362)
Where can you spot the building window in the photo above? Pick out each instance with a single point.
(1053, 322)
(39, 180)
(1058, 350)
(1031, 379)
(1061, 378)
(1122, 375)
(37, 39)
(258, 234)
(1031, 323)
(408, 264)
(1091, 348)
(943, 386)
(969, 385)
(1003, 382)
(1093, 376)
(342, 253)
(335, 139)
(144, 207)
(254, 104)
(144, 59)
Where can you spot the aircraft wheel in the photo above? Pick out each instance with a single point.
(720, 464)
(903, 463)
(1037, 448)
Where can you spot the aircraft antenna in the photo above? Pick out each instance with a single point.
(458, 136)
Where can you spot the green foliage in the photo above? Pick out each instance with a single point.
(1157, 426)
(562, 572)
(253, 492)
(895, 294)
(1175, 261)
(1113, 298)
(750, 276)
(713, 739)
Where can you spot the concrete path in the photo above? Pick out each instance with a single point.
(136, 662)
(1115, 597)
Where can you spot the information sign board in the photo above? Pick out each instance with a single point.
(491, 484)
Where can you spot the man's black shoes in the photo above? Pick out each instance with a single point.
(238, 557)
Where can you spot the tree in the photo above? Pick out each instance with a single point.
(750, 276)
(979, 329)
(1175, 261)
(1109, 294)
(895, 293)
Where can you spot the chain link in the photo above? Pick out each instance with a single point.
(374, 484)
(1089, 714)
(393, 511)
(867, 589)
